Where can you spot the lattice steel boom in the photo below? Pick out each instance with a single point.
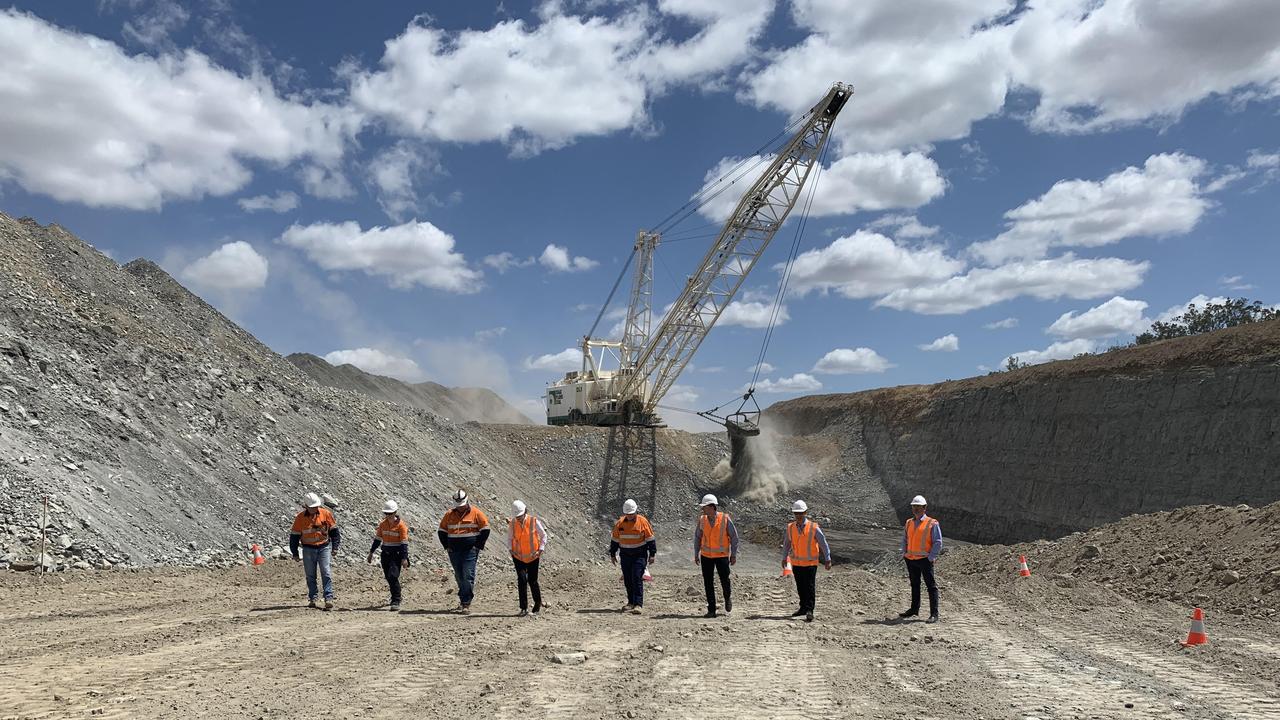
(759, 214)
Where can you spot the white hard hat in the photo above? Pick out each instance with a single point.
(312, 500)
(709, 500)
(629, 506)
(918, 500)
(390, 506)
(460, 498)
(517, 508)
(799, 506)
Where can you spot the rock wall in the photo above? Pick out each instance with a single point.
(1053, 451)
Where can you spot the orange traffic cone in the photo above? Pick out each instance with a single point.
(1196, 635)
(786, 570)
(258, 557)
(1023, 570)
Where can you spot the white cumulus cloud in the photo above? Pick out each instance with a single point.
(798, 383)
(752, 314)
(1097, 65)
(557, 258)
(415, 253)
(1117, 316)
(903, 226)
(1050, 279)
(377, 362)
(846, 361)
(86, 122)
(866, 264)
(946, 343)
(563, 361)
(1063, 350)
(854, 183)
(234, 266)
(1159, 199)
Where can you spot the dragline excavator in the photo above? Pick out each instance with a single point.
(622, 381)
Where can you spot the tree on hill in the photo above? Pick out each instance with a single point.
(1213, 316)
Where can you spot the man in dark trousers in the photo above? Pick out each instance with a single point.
(633, 536)
(921, 543)
(527, 538)
(715, 547)
(805, 546)
(392, 535)
(463, 532)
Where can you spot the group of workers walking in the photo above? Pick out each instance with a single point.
(464, 531)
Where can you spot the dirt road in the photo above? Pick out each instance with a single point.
(240, 644)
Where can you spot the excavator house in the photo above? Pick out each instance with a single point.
(622, 381)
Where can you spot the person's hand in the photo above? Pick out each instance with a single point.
(695, 560)
(784, 564)
(733, 560)
(653, 559)
(613, 559)
(405, 563)
(827, 564)
(297, 558)
(370, 558)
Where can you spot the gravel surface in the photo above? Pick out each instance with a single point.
(240, 643)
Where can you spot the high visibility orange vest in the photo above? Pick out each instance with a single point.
(715, 537)
(393, 532)
(314, 530)
(919, 537)
(632, 534)
(804, 544)
(525, 542)
(464, 523)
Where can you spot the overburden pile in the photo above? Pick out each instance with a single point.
(161, 432)
(1212, 556)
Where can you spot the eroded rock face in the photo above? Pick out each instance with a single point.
(1054, 449)
(1019, 463)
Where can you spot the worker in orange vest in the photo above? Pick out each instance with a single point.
(527, 539)
(392, 535)
(805, 546)
(715, 547)
(633, 536)
(463, 532)
(921, 543)
(315, 529)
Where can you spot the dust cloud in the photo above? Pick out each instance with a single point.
(752, 472)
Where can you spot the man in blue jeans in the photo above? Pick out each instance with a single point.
(315, 529)
(633, 539)
(463, 532)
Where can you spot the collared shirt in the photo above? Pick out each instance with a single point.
(935, 535)
(733, 535)
(824, 552)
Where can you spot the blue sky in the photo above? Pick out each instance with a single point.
(449, 196)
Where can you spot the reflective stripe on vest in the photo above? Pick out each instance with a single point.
(463, 525)
(715, 538)
(804, 545)
(317, 533)
(524, 543)
(919, 537)
(636, 535)
(392, 535)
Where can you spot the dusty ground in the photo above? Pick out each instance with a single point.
(238, 644)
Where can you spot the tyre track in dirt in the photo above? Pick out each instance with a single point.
(254, 651)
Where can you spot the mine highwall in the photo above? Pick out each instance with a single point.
(1020, 461)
